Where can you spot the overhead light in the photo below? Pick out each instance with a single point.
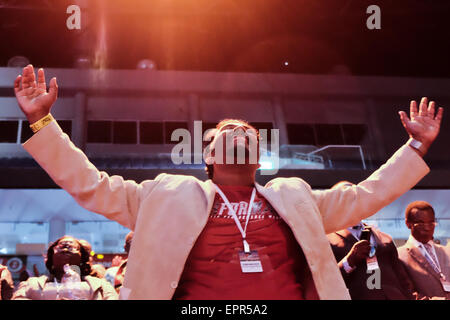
(83, 63)
(18, 62)
(146, 64)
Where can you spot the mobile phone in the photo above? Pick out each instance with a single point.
(365, 234)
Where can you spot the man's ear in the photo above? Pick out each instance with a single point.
(208, 155)
(408, 224)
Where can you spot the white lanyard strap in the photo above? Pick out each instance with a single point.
(434, 262)
(234, 215)
(58, 286)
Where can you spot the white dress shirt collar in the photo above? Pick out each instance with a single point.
(419, 244)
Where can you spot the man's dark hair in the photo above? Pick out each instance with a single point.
(209, 167)
(85, 266)
(417, 205)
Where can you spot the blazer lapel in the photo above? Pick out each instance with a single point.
(418, 256)
(440, 255)
(209, 190)
(42, 280)
(94, 283)
(274, 198)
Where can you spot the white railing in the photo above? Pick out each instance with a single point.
(312, 153)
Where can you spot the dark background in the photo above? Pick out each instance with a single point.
(313, 36)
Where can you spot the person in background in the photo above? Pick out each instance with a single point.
(6, 283)
(359, 251)
(191, 241)
(116, 274)
(427, 263)
(358, 260)
(68, 264)
(97, 269)
(111, 272)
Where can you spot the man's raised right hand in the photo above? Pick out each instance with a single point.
(359, 252)
(33, 98)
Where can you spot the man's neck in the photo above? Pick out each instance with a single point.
(58, 274)
(413, 239)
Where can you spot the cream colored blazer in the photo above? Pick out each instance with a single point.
(169, 212)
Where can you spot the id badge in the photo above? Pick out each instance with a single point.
(372, 263)
(250, 262)
(445, 285)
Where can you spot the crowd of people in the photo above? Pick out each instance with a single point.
(416, 270)
(71, 275)
(373, 268)
(230, 238)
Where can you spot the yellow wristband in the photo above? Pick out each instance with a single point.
(38, 125)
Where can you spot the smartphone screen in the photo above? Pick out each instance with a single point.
(365, 234)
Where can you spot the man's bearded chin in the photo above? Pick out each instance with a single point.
(238, 153)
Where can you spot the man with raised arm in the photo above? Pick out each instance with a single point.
(227, 237)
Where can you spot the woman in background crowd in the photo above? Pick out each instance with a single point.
(68, 264)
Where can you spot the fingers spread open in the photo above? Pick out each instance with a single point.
(53, 91)
(423, 107)
(41, 79)
(439, 114)
(18, 84)
(413, 109)
(28, 78)
(404, 118)
(431, 109)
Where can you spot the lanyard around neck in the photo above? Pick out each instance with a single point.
(234, 215)
(434, 261)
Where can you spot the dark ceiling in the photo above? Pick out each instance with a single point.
(294, 36)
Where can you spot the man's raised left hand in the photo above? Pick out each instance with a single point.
(423, 125)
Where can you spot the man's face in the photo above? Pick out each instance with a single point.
(422, 224)
(236, 143)
(67, 251)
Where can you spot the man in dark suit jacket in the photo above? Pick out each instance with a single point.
(427, 263)
(351, 254)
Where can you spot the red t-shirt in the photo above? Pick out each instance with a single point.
(213, 270)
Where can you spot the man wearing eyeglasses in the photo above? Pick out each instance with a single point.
(363, 251)
(427, 263)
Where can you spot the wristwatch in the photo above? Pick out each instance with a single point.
(416, 145)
